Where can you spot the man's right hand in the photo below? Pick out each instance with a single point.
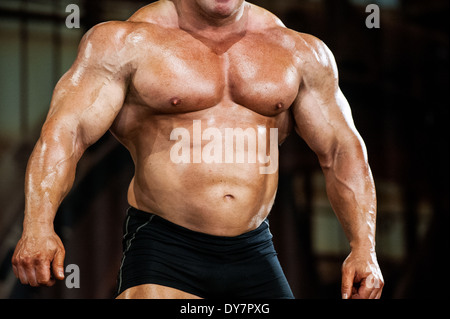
(39, 258)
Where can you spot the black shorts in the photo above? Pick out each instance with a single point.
(157, 251)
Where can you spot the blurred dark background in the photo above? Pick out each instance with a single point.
(395, 78)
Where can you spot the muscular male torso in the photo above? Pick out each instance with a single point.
(179, 78)
(194, 89)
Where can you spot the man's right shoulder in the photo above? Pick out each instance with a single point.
(123, 35)
(150, 19)
(114, 31)
(115, 44)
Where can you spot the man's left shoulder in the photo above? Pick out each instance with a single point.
(268, 23)
(310, 49)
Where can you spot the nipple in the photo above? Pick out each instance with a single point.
(279, 106)
(175, 101)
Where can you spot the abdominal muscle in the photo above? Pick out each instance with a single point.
(217, 199)
(221, 199)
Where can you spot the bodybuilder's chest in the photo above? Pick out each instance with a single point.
(184, 77)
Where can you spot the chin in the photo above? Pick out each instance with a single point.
(221, 8)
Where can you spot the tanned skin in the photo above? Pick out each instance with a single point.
(228, 64)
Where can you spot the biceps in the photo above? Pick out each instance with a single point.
(98, 116)
(325, 124)
(86, 109)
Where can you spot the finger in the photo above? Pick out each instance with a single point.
(373, 293)
(15, 270)
(31, 276)
(43, 274)
(373, 286)
(15, 264)
(354, 294)
(378, 296)
(366, 289)
(380, 290)
(58, 265)
(22, 275)
(348, 276)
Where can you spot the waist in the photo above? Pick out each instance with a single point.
(218, 204)
(261, 233)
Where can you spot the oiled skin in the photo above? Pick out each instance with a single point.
(228, 64)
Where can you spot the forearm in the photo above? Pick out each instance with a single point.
(50, 175)
(324, 120)
(351, 192)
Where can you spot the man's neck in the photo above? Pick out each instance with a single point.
(196, 21)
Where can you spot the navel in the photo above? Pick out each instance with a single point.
(228, 197)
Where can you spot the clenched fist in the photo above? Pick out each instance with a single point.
(361, 276)
(39, 258)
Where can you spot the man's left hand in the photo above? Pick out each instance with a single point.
(361, 276)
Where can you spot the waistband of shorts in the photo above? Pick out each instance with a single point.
(155, 219)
